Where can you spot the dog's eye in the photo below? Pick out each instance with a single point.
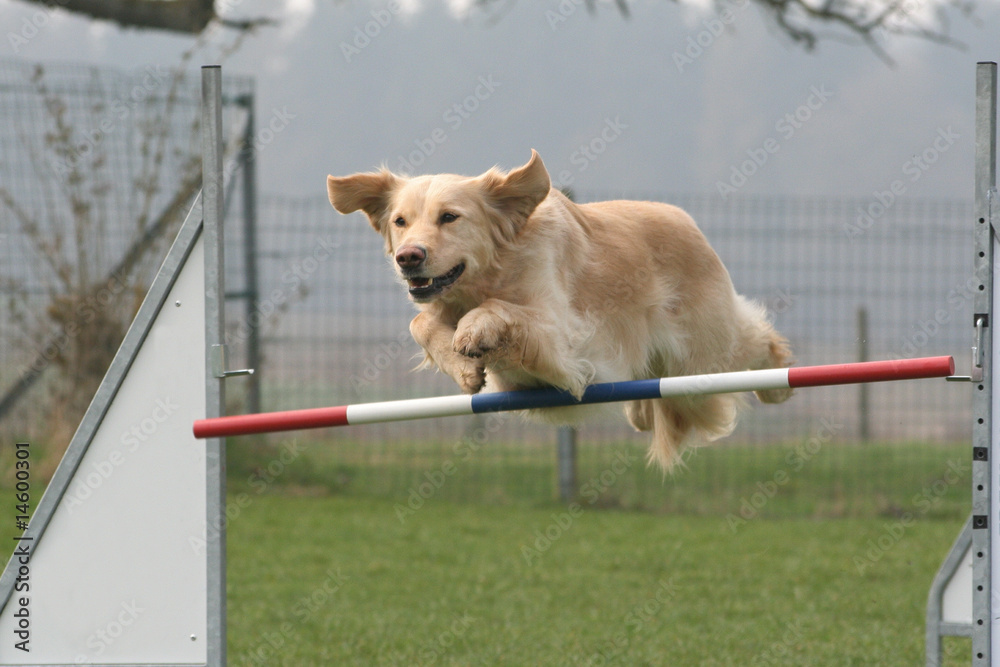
(448, 217)
(399, 222)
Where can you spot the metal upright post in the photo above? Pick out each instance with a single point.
(215, 396)
(986, 446)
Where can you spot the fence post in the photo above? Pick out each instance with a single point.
(249, 160)
(566, 440)
(864, 390)
(566, 453)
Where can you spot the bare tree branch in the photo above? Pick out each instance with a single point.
(184, 16)
(188, 16)
(800, 20)
(804, 21)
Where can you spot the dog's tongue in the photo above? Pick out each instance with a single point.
(419, 282)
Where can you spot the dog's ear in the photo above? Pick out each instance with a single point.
(369, 192)
(520, 191)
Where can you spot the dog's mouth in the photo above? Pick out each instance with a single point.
(422, 288)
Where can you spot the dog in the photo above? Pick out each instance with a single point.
(519, 287)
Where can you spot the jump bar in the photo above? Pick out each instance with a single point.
(606, 392)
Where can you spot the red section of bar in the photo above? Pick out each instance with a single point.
(871, 371)
(270, 422)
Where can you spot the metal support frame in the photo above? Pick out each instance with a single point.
(986, 455)
(215, 322)
(940, 623)
(982, 531)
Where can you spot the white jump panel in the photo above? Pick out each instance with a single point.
(120, 575)
(956, 602)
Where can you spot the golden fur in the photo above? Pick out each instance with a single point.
(564, 294)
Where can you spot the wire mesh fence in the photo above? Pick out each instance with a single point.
(97, 169)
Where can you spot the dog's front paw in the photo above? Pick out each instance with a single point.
(470, 376)
(480, 334)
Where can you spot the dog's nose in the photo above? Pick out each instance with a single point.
(410, 256)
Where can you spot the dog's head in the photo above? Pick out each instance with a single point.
(444, 230)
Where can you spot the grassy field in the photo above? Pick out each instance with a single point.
(750, 556)
(341, 581)
(350, 553)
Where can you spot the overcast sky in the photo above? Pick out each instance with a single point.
(662, 102)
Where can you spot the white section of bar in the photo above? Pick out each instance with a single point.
(724, 383)
(414, 408)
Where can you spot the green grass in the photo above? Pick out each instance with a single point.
(798, 479)
(343, 581)
(749, 555)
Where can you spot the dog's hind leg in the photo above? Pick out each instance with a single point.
(677, 423)
(671, 431)
(640, 414)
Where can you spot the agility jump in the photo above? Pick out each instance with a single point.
(155, 529)
(607, 392)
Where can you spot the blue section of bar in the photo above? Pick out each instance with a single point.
(606, 392)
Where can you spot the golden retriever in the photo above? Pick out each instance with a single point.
(519, 287)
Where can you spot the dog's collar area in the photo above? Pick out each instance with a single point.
(424, 288)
